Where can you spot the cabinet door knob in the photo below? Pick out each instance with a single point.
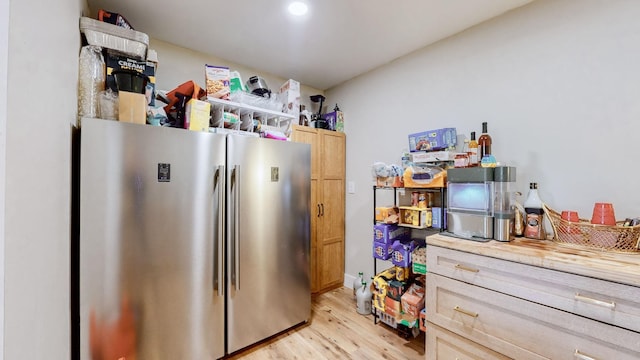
(466, 268)
(581, 356)
(322, 207)
(318, 211)
(466, 312)
(607, 304)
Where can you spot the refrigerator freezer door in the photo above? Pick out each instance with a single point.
(268, 238)
(150, 270)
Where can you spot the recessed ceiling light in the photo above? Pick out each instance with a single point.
(298, 8)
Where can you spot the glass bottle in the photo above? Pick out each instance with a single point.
(534, 226)
(484, 142)
(473, 150)
(462, 159)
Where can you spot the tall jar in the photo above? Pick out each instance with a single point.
(91, 80)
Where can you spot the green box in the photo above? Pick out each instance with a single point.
(419, 268)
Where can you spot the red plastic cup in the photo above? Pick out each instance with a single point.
(570, 215)
(603, 214)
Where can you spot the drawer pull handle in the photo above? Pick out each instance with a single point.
(466, 312)
(581, 356)
(607, 304)
(466, 268)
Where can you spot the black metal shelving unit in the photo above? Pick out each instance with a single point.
(440, 190)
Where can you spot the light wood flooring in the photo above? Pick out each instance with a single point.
(337, 331)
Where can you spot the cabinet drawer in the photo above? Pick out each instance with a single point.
(443, 344)
(605, 301)
(522, 329)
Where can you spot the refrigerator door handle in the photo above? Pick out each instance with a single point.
(218, 183)
(235, 276)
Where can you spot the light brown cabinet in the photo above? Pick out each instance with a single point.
(327, 205)
(532, 300)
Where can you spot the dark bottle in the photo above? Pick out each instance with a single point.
(484, 143)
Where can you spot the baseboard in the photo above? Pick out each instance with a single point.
(348, 280)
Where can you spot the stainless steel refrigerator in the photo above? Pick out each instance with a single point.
(192, 245)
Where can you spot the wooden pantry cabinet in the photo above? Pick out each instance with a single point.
(327, 205)
(530, 299)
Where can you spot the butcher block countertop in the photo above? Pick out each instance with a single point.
(617, 267)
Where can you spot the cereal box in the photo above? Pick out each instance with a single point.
(217, 80)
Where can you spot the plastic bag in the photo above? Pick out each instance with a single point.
(108, 105)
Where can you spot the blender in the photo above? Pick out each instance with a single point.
(504, 206)
(317, 120)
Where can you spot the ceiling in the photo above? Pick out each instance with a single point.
(335, 41)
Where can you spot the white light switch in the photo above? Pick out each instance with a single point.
(351, 187)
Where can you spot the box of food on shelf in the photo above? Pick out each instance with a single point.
(431, 140)
(389, 181)
(116, 63)
(419, 260)
(381, 250)
(423, 319)
(420, 175)
(197, 115)
(412, 300)
(386, 318)
(384, 213)
(388, 233)
(395, 289)
(217, 80)
(401, 255)
(416, 217)
(433, 156)
(438, 217)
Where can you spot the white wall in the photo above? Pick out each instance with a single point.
(178, 65)
(558, 83)
(4, 49)
(44, 43)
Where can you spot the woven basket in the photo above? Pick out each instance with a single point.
(583, 233)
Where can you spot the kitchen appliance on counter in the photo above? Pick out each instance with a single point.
(470, 199)
(481, 203)
(504, 211)
(192, 245)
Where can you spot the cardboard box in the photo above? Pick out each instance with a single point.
(438, 222)
(415, 217)
(433, 156)
(388, 233)
(395, 289)
(197, 115)
(391, 306)
(383, 212)
(381, 250)
(217, 80)
(402, 249)
(419, 260)
(289, 95)
(390, 181)
(423, 320)
(132, 107)
(413, 300)
(438, 139)
(115, 61)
